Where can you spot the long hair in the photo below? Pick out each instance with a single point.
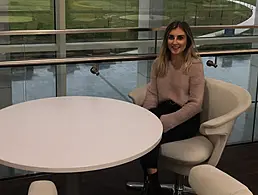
(189, 53)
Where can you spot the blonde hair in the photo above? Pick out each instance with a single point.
(190, 51)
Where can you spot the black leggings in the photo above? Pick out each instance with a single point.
(185, 130)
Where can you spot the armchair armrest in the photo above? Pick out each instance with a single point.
(217, 126)
(222, 125)
(138, 95)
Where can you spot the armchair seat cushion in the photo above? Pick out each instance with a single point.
(191, 151)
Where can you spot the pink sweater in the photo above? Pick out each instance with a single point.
(184, 89)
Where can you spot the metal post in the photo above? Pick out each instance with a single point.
(61, 45)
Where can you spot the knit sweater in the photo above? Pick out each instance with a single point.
(185, 89)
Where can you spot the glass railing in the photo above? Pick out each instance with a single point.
(40, 44)
(32, 79)
(27, 80)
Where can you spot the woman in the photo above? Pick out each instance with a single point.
(175, 95)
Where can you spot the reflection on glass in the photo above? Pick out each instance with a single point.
(31, 83)
(102, 36)
(23, 84)
(115, 80)
(243, 128)
(31, 55)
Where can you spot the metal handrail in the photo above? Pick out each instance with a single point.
(115, 58)
(110, 30)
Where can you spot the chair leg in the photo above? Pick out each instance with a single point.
(179, 185)
(134, 185)
(139, 186)
(189, 190)
(178, 188)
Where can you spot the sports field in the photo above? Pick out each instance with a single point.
(38, 14)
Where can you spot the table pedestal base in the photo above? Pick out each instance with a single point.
(72, 184)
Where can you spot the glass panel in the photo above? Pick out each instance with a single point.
(234, 69)
(255, 69)
(101, 13)
(31, 39)
(130, 13)
(256, 127)
(110, 43)
(24, 84)
(102, 36)
(26, 15)
(208, 12)
(33, 82)
(5, 87)
(243, 128)
(32, 55)
(221, 47)
(115, 80)
(27, 47)
(240, 70)
(222, 32)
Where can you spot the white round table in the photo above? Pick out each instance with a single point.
(75, 134)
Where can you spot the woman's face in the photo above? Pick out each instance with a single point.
(177, 40)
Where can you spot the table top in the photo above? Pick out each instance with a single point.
(75, 134)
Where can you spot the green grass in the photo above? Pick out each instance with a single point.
(105, 5)
(29, 5)
(122, 13)
(15, 19)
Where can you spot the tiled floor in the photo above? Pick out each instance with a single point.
(239, 161)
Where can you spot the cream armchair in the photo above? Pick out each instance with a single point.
(208, 180)
(223, 103)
